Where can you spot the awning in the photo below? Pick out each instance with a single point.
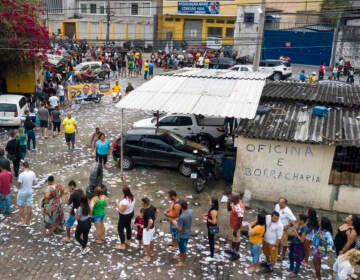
(218, 93)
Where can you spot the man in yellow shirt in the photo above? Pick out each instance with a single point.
(146, 69)
(206, 62)
(70, 128)
(116, 91)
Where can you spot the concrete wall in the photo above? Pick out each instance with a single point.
(347, 200)
(348, 45)
(270, 169)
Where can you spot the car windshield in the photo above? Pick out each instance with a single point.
(5, 107)
(287, 64)
(173, 139)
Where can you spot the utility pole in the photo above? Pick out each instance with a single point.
(335, 39)
(259, 40)
(108, 22)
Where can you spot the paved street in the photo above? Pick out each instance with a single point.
(25, 253)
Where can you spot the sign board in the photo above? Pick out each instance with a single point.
(214, 42)
(81, 91)
(199, 8)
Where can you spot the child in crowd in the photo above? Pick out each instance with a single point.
(139, 222)
(345, 264)
(83, 217)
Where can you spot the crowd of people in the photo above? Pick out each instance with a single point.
(340, 68)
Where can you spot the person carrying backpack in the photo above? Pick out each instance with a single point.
(322, 239)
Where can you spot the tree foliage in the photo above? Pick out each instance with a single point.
(22, 36)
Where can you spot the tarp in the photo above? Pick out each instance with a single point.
(218, 93)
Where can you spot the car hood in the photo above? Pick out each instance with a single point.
(191, 146)
(145, 123)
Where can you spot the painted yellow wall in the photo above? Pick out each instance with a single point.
(21, 78)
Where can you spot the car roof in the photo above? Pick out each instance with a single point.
(267, 60)
(243, 65)
(10, 98)
(145, 131)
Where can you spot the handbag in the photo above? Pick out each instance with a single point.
(214, 229)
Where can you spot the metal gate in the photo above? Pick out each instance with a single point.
(193, 32)
(70, 29)
(303, 47)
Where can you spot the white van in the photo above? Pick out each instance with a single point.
(12, 107)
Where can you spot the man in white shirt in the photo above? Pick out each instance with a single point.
(53, 101)
(26, 181)
(288, 219)
(61, 93)
(272, 239)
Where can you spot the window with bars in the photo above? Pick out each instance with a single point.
(102, 10)
(249, 17)
(53, 6)
(92, 8)
(215, 31)
(134, 9)
(83, 8)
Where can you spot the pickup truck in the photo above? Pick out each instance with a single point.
(209, 131)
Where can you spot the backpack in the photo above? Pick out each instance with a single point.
(320, 244)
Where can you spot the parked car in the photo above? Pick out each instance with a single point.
(242, 68)
(156, 147)
(94, 66)
(209, 131)
(281, 70)
(222, 62)
(12, 107)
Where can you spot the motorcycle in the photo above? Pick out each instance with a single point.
(204, 168)
(96, 98)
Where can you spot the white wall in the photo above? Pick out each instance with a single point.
(270, 169)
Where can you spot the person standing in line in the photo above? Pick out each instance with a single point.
(98, 208)
(322, 68)
(288, 220)
(26, 181)
(322, 239)
(313, 226)
(126, 213)
(237, 213)
(4, 161)
(150, 215)
(21, 137)
(53, 207)
(256, 234)
(272, 239)
(43, 114)
(82, 215)
(344, 266)
(29, 127)
(173, 213)
(102, 149)
(302, 76)
(70, 128)
(151, 70)
(5, 189)
(56, 120)
(74, 201)
(139, 223)
(183, 226)
(297, 248)
(146, 69)
(211, 220)
(13, 152)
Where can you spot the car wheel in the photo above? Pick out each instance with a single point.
(277, 76)
(127, 163)
(186, 171)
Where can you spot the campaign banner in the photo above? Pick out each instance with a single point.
(81, 91)
(199, 8)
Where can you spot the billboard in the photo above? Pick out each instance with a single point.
(199, 8)
(81, 91)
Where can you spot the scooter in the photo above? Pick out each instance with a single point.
(204, 168)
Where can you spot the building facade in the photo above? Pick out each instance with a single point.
(194, 23)
(84, 19)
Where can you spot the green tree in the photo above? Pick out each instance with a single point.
(330, 9)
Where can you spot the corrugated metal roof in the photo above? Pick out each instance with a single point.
(296, 123)
(319, 93)
(208, 92)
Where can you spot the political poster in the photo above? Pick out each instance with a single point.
(81, 91)
(198, 8)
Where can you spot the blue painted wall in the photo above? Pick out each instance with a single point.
(305, 47)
